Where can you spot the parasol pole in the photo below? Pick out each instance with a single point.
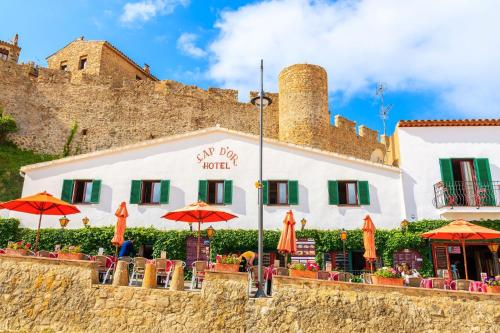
(37, 240)
(198, 243)
(465, 259)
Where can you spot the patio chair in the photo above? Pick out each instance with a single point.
(460, 285)
(323, 275)
(127, 259)
(43, 253)
(164, 269)
(138, 268)
(367, 278)
(438, 283)
(177, 263)
(104, 267)
(414, 282)
(198, 275)
(344, 277)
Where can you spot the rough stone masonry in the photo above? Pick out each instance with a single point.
(38, 294)
(111, 112)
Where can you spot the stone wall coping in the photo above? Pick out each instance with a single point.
(212, 275)
(50, 261)
(360, 287)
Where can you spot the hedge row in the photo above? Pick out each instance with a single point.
(230, 241)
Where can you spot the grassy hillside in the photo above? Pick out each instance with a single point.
(11, 159)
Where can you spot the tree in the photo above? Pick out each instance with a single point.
(7, 125)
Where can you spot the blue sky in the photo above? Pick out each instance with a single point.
(439, 59)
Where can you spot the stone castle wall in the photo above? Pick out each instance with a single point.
(38, 294)
(46, 102)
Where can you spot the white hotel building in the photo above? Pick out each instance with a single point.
(446, 169)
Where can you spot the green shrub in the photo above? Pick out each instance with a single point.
(7, 125)
(9, 231)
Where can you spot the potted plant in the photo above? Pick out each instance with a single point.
(387, 276)
(493, 284)
(70, 252)
(18, 248)
(227, 264)
(309, 270)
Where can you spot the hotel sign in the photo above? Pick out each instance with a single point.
(217, 158)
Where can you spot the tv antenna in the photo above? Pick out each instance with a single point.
(384, 110)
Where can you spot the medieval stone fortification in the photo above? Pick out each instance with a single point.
(115, 102)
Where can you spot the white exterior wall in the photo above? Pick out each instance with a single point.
(177, 161)
(420, 150)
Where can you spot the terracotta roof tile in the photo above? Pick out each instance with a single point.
(449, 122)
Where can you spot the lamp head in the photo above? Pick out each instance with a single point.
(266, 101)
(63, 221)
(86, 221)
(210, 232)
(343, 235)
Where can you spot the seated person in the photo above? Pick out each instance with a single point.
(408, 273)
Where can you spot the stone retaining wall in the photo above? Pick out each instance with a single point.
(39, 294)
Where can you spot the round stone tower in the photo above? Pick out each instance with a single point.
(303, 105)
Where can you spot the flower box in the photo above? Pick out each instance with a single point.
(303, 274)
(70, 256)
(18, 252)
(493, 289)
(388, 281)
(227, 267)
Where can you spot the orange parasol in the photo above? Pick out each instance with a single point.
(461, 230)
(288, 242)
(40, 204)
(199, 212)
(121, 225)
(369, 240)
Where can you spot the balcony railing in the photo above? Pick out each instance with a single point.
(466, 194)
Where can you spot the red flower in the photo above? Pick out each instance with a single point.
(28, 245)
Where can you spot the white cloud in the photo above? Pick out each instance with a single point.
(147, 9)
(186, 44)
(450, 47)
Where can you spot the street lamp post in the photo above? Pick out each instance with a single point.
(261, 102)
(343, 237)
(210, 234)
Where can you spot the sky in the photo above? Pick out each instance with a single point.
(437, 59)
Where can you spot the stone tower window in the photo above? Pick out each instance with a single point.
(64, 65)
(138, 78)
(4, 54)
(82, 64)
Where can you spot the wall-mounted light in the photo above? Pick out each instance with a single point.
(86, 221)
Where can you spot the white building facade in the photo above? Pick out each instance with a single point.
(447, 169)
(220, 166)
(450, 169)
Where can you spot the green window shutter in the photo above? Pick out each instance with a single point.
(228, 192)
(135, 192)
(293, 192)
(265, 192)
(447, 175)
(202, 190)
(483, 177)
(164, 191)
(333, 192)
(96, 191)
(67, 191)
(363, 193)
